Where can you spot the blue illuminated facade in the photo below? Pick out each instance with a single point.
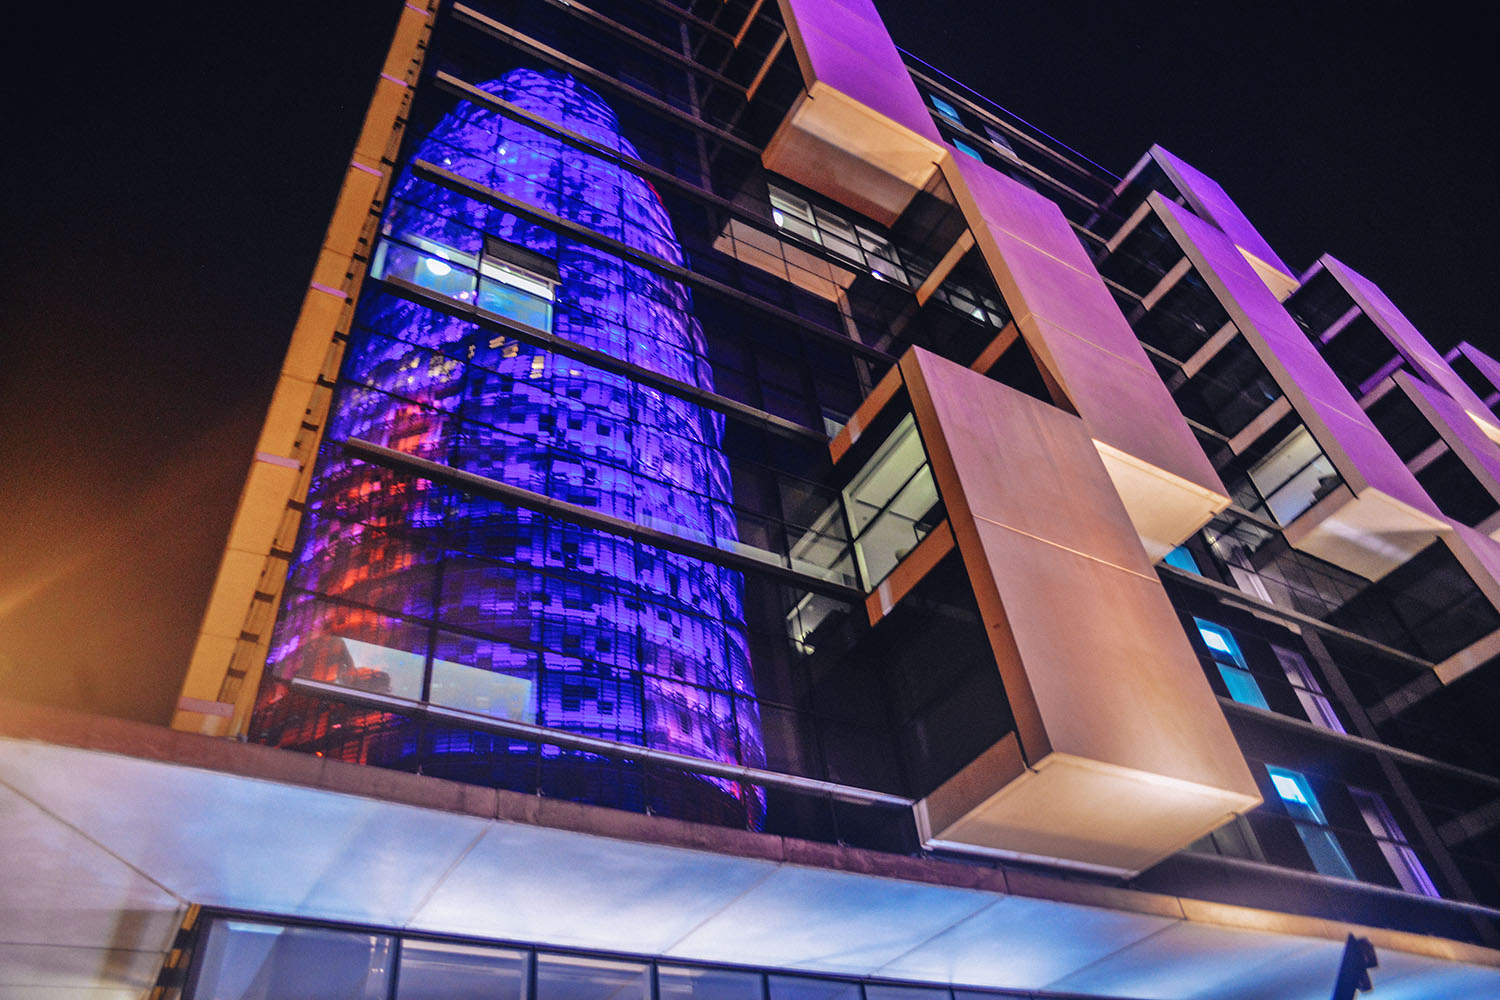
(419, 592)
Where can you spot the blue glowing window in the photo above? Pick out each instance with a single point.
(1231, 663)
(1182, 559)
(945, 109)
(1312, 826)
(965, 148)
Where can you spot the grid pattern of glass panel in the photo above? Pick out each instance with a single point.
(260, 960)
(407, 589)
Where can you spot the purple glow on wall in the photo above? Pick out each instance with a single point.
(611, 638)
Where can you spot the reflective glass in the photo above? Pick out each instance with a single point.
(1302, 805)
(685, 983)
(572, 977)
(432, 970)
(253, 961)
(810, 988)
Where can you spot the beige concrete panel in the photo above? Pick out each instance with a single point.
(1128, 412)
(312, 335)
(860, 133)
(350, 216)
(843, 150)
(289, 404)
(1004, 205)
(262, 503)
(1064, 497)
(211, 656)
(1112, 687)
(239, 575)
(1081, 340)
(1034, 283)
(1392, 322)
(1165, 508)
(1095, 817)
(1115, 680)
(1369, 533)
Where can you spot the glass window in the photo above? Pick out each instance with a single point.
(432, 970)
(945, 109)
(968, 150)
(243, 960)
(1231, 663)
(1405, 864)
(1182, 559)
(1314, 702)
(684, 983)
(998, 137)
(881, 991)
(574, 977)
(1294, 476)
(892, 503)
(507, 288)
(811, 988)
(1312, 826)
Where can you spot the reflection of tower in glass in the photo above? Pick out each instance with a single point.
(417, 591)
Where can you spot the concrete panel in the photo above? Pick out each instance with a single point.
(1405, 337)
(1124, 755)
(288, 850)
(1078, 335)
(1025, 942)
(860, 133)
(1175, 963)
(803, 918)
(1479, 453)
(525, 883)
(1401, 519)
(1209, 201)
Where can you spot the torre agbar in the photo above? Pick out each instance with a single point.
(743, 517)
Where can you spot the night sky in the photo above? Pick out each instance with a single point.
(169, 171)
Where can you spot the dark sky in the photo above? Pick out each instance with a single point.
(170, 167)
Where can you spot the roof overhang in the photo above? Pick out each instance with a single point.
(109, 829)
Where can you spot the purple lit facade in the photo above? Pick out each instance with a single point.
(416, 591)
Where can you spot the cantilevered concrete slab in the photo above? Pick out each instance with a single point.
(1210, 202)
(1070, 321)
(1380, 516)
(1408, 341)
(1120, 755)
(111, 828)
(859, 132)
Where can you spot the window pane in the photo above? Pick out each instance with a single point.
(434, 971)
(882, 992)
(944, 108)
(253, 961)
(566, 977)
(678, 983)
(808, 988)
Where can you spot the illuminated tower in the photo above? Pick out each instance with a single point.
(409, 589)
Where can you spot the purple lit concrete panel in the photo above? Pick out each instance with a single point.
(1209, 201)
(847, 47)
(1041, 529)
(1403, 335)
(1068, 316)
(1362, 456)
(1015, 208)
(1488, 366)
(1471, 444)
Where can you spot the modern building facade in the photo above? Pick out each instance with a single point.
(742, 515)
